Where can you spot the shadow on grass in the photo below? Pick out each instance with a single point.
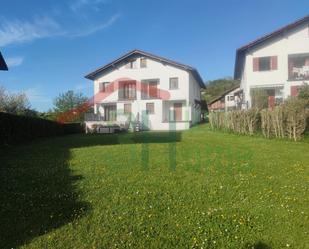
(257, 245)
(38, 192)
(123, 138)
(38, 189)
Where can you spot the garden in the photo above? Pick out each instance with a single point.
(195, 189)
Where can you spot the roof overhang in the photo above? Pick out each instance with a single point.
(223, 94)
(3, 65)
(241, 52)
(134, 53)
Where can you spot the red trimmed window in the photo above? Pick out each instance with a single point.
(265, 63)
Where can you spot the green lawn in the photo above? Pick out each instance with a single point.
(130, 191)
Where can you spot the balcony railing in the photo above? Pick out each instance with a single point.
(94, 117)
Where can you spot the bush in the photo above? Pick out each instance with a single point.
(296, 118)
(288, 120)
(16, 129)
(259, 98)
(73, 128)
(273, 122)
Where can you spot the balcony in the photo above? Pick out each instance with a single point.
(90, 117)
(299, 67)
(127, 90)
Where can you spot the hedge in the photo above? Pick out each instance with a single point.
(15, 129)
(288, 120)
(73, 128)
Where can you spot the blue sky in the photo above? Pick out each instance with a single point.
(50, 45)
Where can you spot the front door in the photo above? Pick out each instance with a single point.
(178, 111)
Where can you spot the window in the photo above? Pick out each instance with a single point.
(143, 62)
(110, 113)
(265, 63)
(230, 98)
(173, 83)
(127, 108)
(131, 64)
(103, 86)
(127, 90)
(150, 108)
(299, 67)
(150, 89)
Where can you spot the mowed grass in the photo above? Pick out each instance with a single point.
(195, 189)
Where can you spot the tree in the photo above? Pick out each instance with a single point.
(216, 88)
(15, 103)
(68, 101)
(66, 104)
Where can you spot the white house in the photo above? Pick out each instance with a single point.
(227, 101)
(277, 62)
(148, 91)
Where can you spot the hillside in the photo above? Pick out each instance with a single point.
(217, 87)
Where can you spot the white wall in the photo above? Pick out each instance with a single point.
(230, 103)
(293, 42)
(194, 94)
(154, 70)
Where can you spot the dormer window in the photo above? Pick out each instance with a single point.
(131, 64)
(143, 63)
(173, 83)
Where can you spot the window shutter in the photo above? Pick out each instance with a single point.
(144, 89)
(101, 87)
(153, 90)
(255, 64)
(274, 62)
(108, 87)
(120, 90)
(294, 91)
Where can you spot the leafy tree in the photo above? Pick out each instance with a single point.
(15, 103)
(68, 101)
(67, 106)
(216, 88)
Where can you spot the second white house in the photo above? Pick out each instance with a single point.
(277, 62)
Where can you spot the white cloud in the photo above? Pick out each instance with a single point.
(78, 4)
(91, 30)
(18, 31)
(14, 61)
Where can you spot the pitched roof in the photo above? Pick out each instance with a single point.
(223, 94)
(135, 52)
(3, 65)
(239, 61)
